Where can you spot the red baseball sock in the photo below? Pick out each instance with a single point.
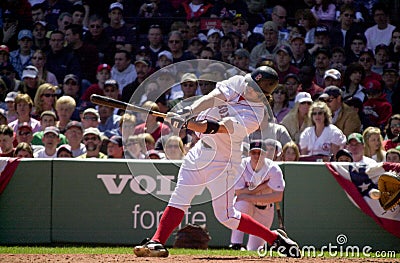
(170, 219)
(249, 225)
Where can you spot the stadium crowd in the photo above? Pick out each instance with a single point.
(337, 62)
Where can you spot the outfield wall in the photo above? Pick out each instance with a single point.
(99, 202)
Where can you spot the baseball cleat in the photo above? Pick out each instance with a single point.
(150, 248)
(237, 247)
(285, 246)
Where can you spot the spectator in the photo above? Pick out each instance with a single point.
(343, 116)
(10, 76)
(3, 93)
(279, 16)
(300, 55)
(373, 144)
(189, 85)
(357, 105)
(121, 35)
(108, 120)
(21, 57)
(269, 46)
(322, 40)
(114, 147)
(6, 141)
(290, 152)
(64, 20)
(306, 76)
(9, 36)
(11, 111)
(4, 55)
(298, 119)
(206, 83)
(155, 44)
(393, 156)
(355, 145)
(324, 11)
(39, 61)
(165, 58)
(213, 38)
(367, 59)
(247, 39)
(377, 108)
(65, 107)
(50, 140)
(390, 79)
(175, 45)
(292, 84)
(23, 150)
(392, 132)
(338, 60)
(64, 151)
(3, 117)
(148, 141)
(92, 141)
(394, 46)
(123, 71)
(24, 133)
(358, 43)
(54, 10)
(23, 107)
(98, 38)
(322, 138)
(306, 19)
(45, 99)
(352, 82)
(273, 149)
(90, 118)
(130, 92)
(134, 148)
(111, 89)
(283, 56)
(30, 81)
(332, 77)
(381, 32)
(382, 55)
(151, 125)
(79, 16)
(156, 8)
(280, 102)
(47, 119)
(74, 134)
(344, 155)
(86, 53)
(39, 32)
(154, 154)
(72, 88)
(174, 149)
(322, 64)
(103, 73)
(60, 60)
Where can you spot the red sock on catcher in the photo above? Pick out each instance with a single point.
(249, 225)
(170, 219)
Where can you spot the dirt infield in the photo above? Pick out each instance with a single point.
(96, 258)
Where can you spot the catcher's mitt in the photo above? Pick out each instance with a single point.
(192, 236)
(389, 186)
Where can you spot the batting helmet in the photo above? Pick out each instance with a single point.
(265, 77)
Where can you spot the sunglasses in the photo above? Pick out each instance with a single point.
(327, 100)
(90, 118)
(49, 95)
(317, 113)
(279, 92)
(94, 138)
(395, 125)
(95, 26)
(24, 133)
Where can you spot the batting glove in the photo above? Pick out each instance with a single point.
(175, 120)
(185, 113)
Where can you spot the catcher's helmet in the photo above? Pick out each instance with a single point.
(265, 77)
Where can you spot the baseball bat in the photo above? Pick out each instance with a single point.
(280, 217)
(110, 102)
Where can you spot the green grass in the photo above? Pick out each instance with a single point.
(126, 250)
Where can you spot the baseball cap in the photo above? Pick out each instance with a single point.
(276, 144)
(72, 124)
(64, 147)
(167, 54)
(373, 85)
(270, 26)
(333, 73)
(42, 23)
(48, 113)
(323, 51)
(296, 36)
(292, 75)
(91, 110)
(92, 130)
(25, 33)
(390, 66)
(355, 136)
(24, 125)
(303, 97)
(285, 49)
(321, 30)
(213, 31)
(189, 77)
(103, 66)
(333, 91)
(156, 153)
(242, 53)
(368, 52)
(195, 39)
(11, 96)
(51, 129)
(30, 72)
(116, 140)
(4, 48)
(70, 76)
(143, 61)
(111, 82)
(344, 152)
(257, 145)
(116, 5)
(359, 36)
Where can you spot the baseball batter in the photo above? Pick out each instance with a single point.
(259, 202)
(225, 117)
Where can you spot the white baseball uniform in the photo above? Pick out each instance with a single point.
(263, 212)
(214, 162)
